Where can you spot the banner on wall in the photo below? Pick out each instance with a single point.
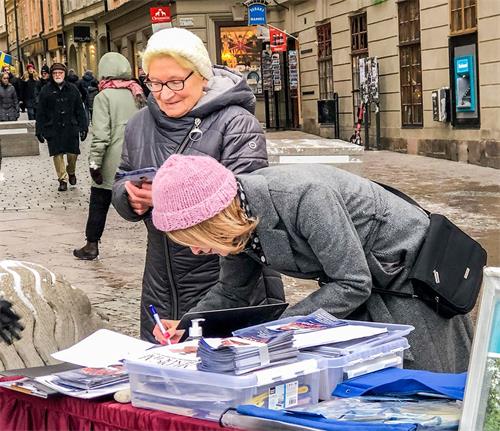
(278, 40)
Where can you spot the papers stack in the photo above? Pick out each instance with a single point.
(92, 378)
(316, 329)
(237, 355)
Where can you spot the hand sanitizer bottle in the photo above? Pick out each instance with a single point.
(195, 331)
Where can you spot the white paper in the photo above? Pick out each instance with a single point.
(334, 335)
(102, 349)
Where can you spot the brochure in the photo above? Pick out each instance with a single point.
(92, 378)
(316, 329)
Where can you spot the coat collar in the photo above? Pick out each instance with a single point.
(270, 230)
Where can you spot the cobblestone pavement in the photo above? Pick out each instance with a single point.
(42, 225)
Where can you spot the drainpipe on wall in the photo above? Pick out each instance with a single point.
(40, 35)
(18, 50)
(65, 49)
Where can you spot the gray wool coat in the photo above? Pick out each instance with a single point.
(319, 222)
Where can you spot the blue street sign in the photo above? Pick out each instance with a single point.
(257, 14)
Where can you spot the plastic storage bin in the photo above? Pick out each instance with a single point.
(207, 395)
(336, 370)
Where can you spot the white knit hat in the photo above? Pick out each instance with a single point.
(183, 43)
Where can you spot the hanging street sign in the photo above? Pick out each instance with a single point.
(257, 12)
(278, 40)
(160, 17)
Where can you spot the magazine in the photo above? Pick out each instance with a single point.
(92, 378)
(316, 329)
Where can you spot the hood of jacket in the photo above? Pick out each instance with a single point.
(114, 65)
(72, 78)
(87, 76)
(226, 88)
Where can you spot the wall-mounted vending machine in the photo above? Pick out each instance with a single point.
(465, 90)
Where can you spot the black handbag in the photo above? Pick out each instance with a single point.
(448, 270)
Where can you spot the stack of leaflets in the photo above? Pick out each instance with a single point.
(316, 329)
(87, 382)
(237, 355)
(92, 378)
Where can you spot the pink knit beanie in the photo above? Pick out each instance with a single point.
(190, 189)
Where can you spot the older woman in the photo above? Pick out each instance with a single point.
(313, 222)
(195, 108)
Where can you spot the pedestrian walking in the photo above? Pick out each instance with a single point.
(61, 120)
(9, 106)
(311, 222)
(44, 79)
(142, 78)
(29, 84)
(77, 82)
(14, 80)
(93, 90)
(200, 109)
(119, 99)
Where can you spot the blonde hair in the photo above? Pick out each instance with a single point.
(148, 57)
(227, 231)
(26, 75)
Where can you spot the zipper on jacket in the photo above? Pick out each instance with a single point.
(168, 261)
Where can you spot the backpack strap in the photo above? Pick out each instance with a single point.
(403, 196)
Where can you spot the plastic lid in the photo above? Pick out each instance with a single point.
(196, 331)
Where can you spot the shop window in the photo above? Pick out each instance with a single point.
(359, 49)
(410, 66)
(463, 16)
(240, 49)
(325, 64)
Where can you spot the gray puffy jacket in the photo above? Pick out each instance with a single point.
(9, 108)
(174, 279)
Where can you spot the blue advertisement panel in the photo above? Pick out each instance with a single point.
(257, 14)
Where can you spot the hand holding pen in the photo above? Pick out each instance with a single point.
(160, 333)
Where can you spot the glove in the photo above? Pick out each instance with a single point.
(40, 138)
(21, 106)
(83, 135)
(96, 175)
(9, 323)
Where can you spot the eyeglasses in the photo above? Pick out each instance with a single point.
(175, 85)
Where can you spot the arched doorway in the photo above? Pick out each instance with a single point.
(73, 62)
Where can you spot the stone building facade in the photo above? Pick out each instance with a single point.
(421, 46)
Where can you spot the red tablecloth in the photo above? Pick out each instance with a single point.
(21, 412)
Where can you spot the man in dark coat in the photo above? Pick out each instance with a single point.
(44, 79)
(62, 121)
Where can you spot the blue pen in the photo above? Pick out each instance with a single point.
(154, 313)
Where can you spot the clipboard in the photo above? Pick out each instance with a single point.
(221, 323)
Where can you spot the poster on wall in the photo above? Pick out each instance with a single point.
(267, 73)
(240, 51)
(276, 71)
(293, 74)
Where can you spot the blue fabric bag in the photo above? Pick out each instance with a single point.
(392, 381)
(318, 421)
